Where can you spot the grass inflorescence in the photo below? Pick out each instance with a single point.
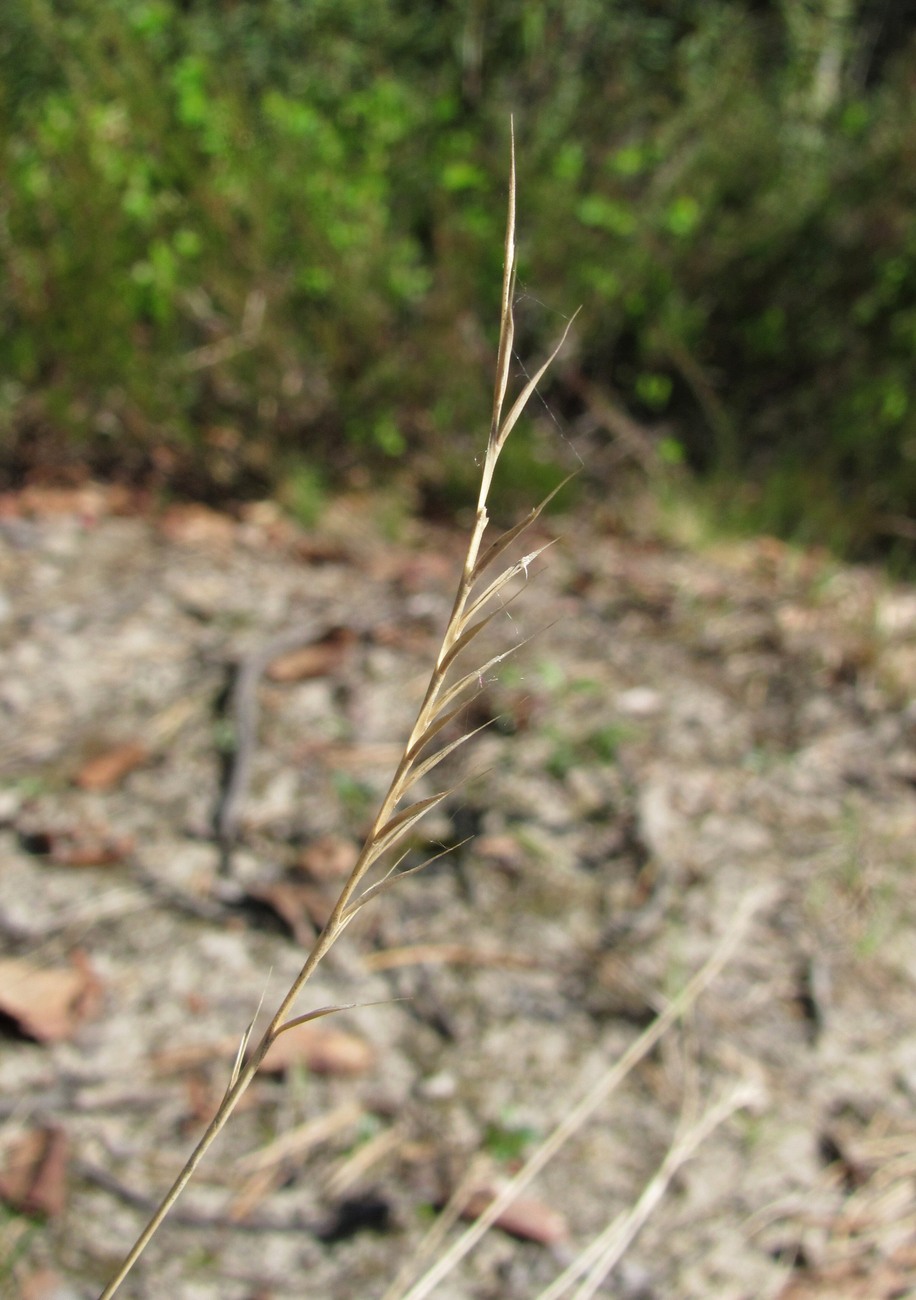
(479, 598)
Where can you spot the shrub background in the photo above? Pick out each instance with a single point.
(257, 245)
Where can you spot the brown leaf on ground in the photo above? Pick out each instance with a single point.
(109, 768)
(202, 1102)
(319, 659)
(295, 905)
(34, 1173)
(415, 570)
(319, 905)
(320, 1049)
(196, 525)
(89, 501)
(502, 850)
(328, 858)
(48, 1004)
(189, 1056)
(317, 550)
(411, 636)
(81, 846)
(527, 1217)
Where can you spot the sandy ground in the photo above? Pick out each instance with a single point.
(684, 732)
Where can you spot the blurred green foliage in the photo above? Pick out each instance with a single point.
(243, 238)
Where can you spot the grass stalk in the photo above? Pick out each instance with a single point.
(445, 697)
(600, 1090)
(597, 1260)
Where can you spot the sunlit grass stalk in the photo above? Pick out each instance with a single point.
(446, 695)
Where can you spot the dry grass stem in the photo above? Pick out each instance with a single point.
(352, 1169)
(296, 1144)
(451, 1212)
(597, 1260)
(444, 699)
(585, 1108)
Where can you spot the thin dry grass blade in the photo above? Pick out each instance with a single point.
(599, 1092)
(240, 1056)
(317, 1015)
(522, 400)
(595, 1262)
(506, 539)
(465, 639)
(477, 675)
(399, 825)
(435, 759)
(243, 1045)
(506, 320)
(444, 1222)
(520, 566)
(393, 878)
(442, 720)
(299, 1141)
